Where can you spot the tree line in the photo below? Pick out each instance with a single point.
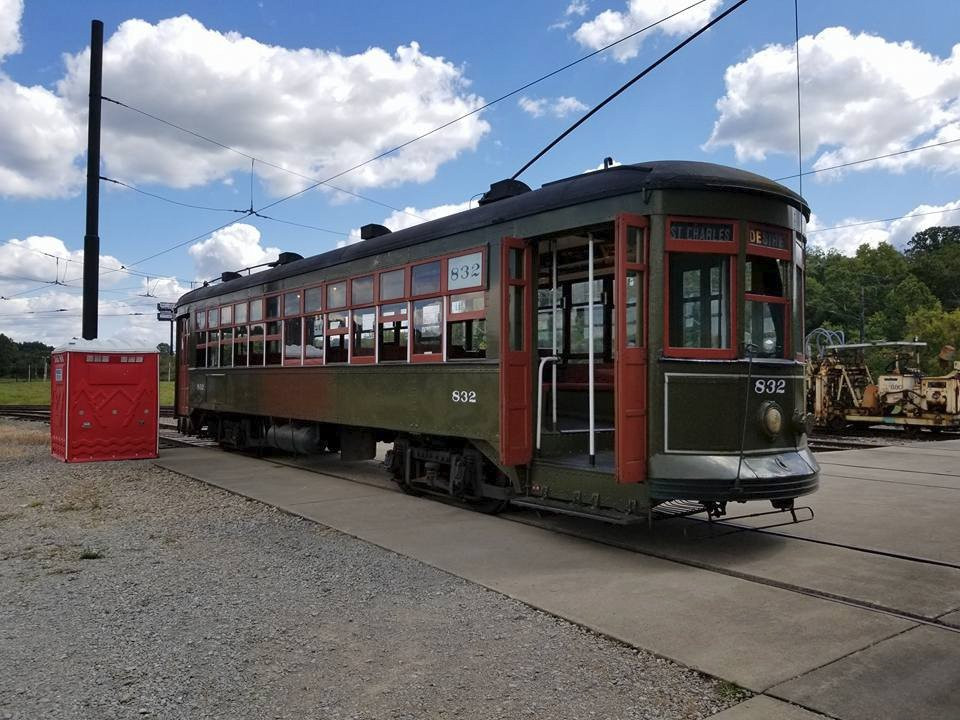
(27, 360)
(881, 293)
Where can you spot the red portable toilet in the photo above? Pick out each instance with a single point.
(104, 401)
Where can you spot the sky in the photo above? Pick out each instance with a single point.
(312, 89)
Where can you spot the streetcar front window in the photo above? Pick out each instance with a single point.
(699, 301)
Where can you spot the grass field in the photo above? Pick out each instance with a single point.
(38, 393)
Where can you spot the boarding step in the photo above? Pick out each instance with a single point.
(573, 441)
(583, 511)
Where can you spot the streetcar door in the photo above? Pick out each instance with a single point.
(630, 358)
(516, 353)
(182, 385)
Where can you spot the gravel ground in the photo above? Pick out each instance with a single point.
(129, 592)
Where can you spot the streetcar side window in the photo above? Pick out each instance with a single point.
(364, 333)
(766, 297)
(256, 310)
(337, 338)
(428, 328)
(274, 343)
(313, 340)
(226, 347)
(466, 327)
(292, 341)
(393, 337)
(240, 346)
(257, 354)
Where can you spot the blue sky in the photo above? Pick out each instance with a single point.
(865, 93)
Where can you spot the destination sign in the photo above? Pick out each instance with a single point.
(769, 237)
(702, 231)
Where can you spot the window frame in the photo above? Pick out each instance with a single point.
(390, 319)
(308, 361)
(730, 249)
(777, 254)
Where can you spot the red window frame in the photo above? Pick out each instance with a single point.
(246, 312)
(729, 248)
(303, 330)
(411, 329)
(346, 294)
(327, 333)
(778, 254)
(250, 305)
(362, 359)
(405, 269)
(389, 320)
(283, 303)
(323, 299)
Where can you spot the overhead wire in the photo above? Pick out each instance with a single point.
(328, 180)
(883, 220)
(869, 159)
(623, 88)
(166, 199)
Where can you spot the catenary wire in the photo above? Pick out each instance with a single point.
(392, 150)
(623, 88)
(870, 159)
(166, 199)
(883, 220)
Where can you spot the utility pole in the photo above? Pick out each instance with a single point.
(91, 240)
(862, 313)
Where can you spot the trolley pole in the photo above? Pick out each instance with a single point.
(91, 240)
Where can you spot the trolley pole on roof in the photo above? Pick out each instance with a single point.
(91, 239)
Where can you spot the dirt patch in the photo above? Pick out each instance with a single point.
(19, 440)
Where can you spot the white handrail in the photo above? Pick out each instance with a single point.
(543, 361)
(553, 368)
(593, 448)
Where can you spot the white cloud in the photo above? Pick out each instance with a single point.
(231, 248)
(313, 111)
(610, 25)
(408, 217)
(577, 7)
(558, 107)
(11, 11)
(39, 136)
(897, 232)
(34, 260)
(39, 310)
(862, 96)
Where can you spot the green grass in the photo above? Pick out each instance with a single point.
(37, 392)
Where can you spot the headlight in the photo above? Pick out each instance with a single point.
(771, 419)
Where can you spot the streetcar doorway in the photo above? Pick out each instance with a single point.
(592, 348)
(575, 329)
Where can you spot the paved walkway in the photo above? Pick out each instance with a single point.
(793, 648)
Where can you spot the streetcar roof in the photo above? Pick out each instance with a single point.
(586, 187)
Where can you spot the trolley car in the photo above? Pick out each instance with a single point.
(601, 345)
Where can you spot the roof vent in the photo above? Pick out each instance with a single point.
(286, 257)
(229, 275)
(503, 189)
(368, 232)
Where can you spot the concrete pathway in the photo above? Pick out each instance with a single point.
(848, 662)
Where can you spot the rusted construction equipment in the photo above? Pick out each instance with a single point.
(841, 389)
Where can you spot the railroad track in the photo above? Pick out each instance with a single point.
(41, 413)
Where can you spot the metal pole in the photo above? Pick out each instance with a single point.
(91, 240)
(172, 354)
(593, 449)
(553, 391)
(862, 314)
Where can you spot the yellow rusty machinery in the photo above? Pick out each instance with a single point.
(841, 390)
